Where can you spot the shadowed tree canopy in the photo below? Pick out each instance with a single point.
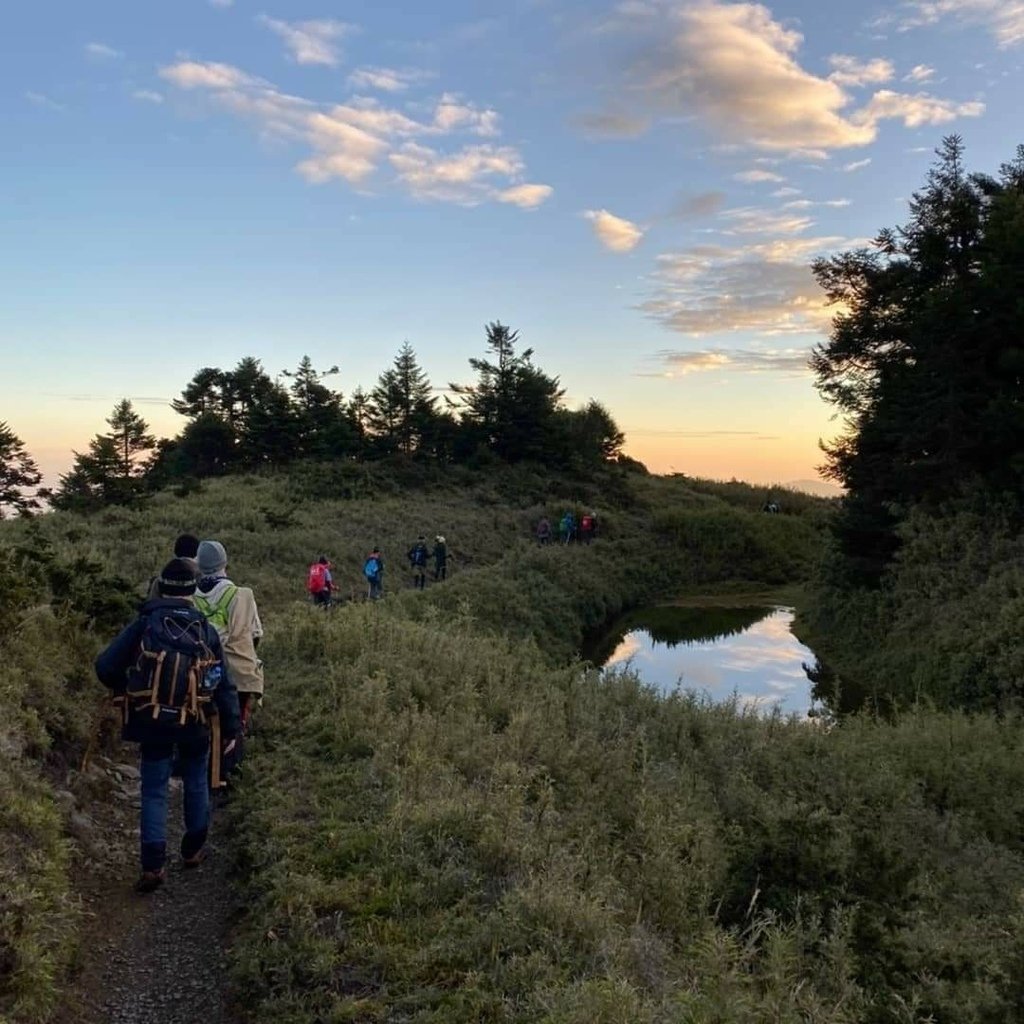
(925, 360)
(18, 475)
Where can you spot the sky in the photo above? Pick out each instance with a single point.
(637, 187)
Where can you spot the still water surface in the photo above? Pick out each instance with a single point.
(750, 652)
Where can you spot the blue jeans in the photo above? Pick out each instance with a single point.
(155, 774)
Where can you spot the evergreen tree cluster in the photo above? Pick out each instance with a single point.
(243, 419)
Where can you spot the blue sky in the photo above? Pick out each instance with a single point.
(638, 187)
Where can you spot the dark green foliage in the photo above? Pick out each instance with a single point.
(18, 475)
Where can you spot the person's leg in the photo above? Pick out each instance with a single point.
(154, 775)
(194, 763)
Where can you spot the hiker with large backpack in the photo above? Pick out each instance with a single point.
(231, 610)
(544, 531)
(168, 675)
(588, 527)
(440, 555)
(320, 582)
(418, 555)
(373, 570)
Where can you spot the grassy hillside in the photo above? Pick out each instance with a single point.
(445, 819)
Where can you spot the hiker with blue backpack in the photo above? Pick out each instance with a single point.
(373, 570)
(231, 610)
(418, 555)
(168, 674)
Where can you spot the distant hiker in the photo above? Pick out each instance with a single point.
(567, 528)
(185, 547)
(418, 555)
(588, 527)
(168, 674)
(440, 555)
(320, 582)
(231, 610)
(544, 531)
(373, 570)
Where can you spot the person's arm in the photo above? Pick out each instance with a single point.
(226, 695)
(113, 663)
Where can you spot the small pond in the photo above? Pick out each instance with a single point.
(749, 651)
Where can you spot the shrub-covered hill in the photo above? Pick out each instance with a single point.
(445, 819)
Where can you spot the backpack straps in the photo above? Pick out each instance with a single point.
(216, 612)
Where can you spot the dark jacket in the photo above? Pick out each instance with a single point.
(440, 554)
(117, 659)
(418, 555)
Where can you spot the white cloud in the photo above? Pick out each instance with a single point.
(352, 141)
(1003, 18)
(190, 74)
(453, 114)
(737, 68)
(853, 71)
(148, 96)
(788, 190)
(614, 233)
(808, 204)
(917, 110)
(681, 363)
(384, 79)
(458, 177)
(857, 165)
(751, 220)
(919, 74)
(752, 177)
(310, 42)
(526, 197)
(42, 100)
(102, 52)
(765, 287)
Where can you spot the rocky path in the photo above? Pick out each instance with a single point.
(153, 959)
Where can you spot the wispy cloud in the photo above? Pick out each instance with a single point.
(614, 233)
(704, 204)
(614, 125)
(853, 71)
(919, 74)
(526, 197)
(42, 100)
(681, 363)
(148, 96)
(310, 42)
(755, 176)
(385, 79)
(856, 165)
(100, 51)
(355, 140)
(1003, 18)
(752, 220)
(765, 287)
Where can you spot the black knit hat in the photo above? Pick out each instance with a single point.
(186, 546)
(177, 579)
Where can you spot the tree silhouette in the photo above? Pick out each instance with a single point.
(18, 473)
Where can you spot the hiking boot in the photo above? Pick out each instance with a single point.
(191, 863)
(150, 880)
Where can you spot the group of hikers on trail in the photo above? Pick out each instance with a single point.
(186, 678)
(569, 530)
(321, 587)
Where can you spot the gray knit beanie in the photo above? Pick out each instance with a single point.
(212, 557)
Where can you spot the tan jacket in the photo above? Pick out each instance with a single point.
(239, 635)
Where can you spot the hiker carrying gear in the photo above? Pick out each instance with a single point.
(168, 675)
(185, 548)
(544, 531)
(440, 555)
(588, 527)
(567, 528)
(373, 570)
(231, 610)
(418, 555)
(320, 583)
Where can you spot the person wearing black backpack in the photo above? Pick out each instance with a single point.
(168, 675)
(418, 555)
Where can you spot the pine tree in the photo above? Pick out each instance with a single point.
(18, 474)
(322, 426)
(130, 433)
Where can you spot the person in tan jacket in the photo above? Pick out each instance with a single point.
(232, 611)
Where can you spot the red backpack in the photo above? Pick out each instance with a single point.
(316, 581)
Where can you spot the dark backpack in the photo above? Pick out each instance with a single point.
(418, 555)
(176, 673)
(371, 570)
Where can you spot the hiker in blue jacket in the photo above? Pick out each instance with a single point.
(168, 673)
(418, 555)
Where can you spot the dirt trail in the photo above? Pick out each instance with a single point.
(156, 958)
